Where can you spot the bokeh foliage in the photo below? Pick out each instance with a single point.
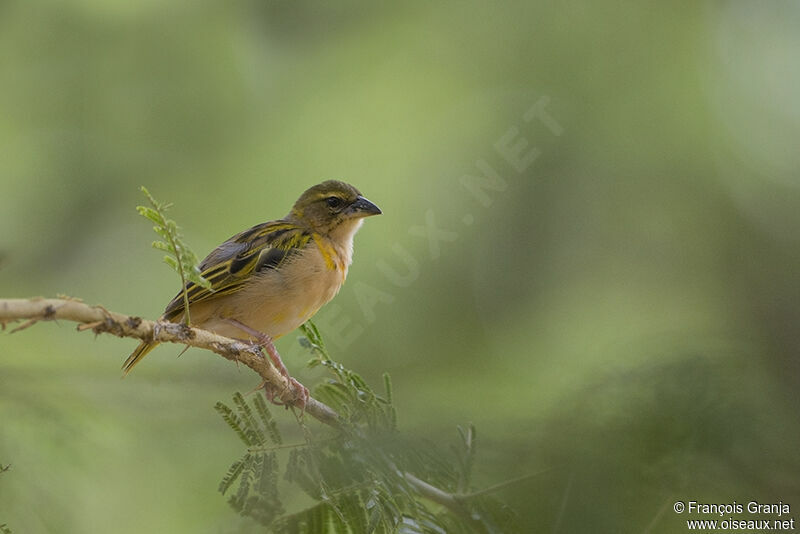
(624, 311)
(358, 474)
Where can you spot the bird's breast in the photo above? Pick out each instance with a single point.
(279, 300)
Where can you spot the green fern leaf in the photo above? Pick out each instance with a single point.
(180, 257)
(239, 500)
(270, 426)
(255, 435)
(230, 477)
(169, 260)
(151, 214)
(233, 421)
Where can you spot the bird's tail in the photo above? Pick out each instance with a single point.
(136, 356)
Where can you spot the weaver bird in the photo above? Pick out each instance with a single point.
(270, 279)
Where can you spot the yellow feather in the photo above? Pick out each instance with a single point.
(327, 251)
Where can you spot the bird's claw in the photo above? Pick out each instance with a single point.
(299, 392)
(299, 395)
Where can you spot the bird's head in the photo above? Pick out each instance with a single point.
(333, 207)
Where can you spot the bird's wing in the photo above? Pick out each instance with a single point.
(230, 265)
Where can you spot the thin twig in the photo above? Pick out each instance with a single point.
(501, 485)
(287, 446)
(563, 508)
(27, 324)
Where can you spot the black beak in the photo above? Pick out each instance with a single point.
(363, 208)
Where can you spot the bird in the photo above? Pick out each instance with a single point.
(270, 279)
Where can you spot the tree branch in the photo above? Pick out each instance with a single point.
(101, 321)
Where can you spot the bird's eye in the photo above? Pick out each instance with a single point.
(333, 202)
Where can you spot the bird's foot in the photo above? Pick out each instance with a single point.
(299, 391)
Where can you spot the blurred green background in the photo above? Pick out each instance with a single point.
(623, 310)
